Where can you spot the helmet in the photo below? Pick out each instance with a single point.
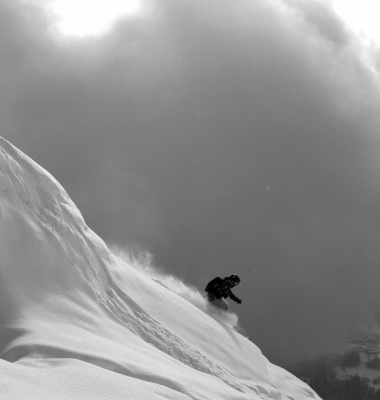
(234, 278)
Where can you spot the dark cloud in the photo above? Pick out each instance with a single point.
(223, 136)
(320, 16)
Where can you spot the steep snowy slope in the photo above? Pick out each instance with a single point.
(76, 322)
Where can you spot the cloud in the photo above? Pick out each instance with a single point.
(225, 137)
(320, 16)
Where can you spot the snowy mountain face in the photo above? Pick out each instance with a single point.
(77, 322)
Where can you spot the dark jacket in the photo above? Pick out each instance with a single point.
(218, 288)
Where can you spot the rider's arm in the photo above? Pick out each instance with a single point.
(233, 297)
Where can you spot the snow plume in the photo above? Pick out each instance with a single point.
(143, 261)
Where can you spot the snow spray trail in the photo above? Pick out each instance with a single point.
(142, 261)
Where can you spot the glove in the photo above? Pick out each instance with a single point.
(238, 301)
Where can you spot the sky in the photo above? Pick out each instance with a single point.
(222, 137)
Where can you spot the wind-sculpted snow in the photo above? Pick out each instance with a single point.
(77, 322)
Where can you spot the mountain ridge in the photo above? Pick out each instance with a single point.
(72, 312)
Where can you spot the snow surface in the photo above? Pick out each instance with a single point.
(77, 322)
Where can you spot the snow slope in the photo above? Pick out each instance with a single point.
(76, 322)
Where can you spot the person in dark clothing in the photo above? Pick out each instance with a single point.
(220, 288)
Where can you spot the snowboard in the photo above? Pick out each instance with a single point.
(220, 304)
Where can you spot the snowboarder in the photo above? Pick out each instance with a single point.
(219, 289)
